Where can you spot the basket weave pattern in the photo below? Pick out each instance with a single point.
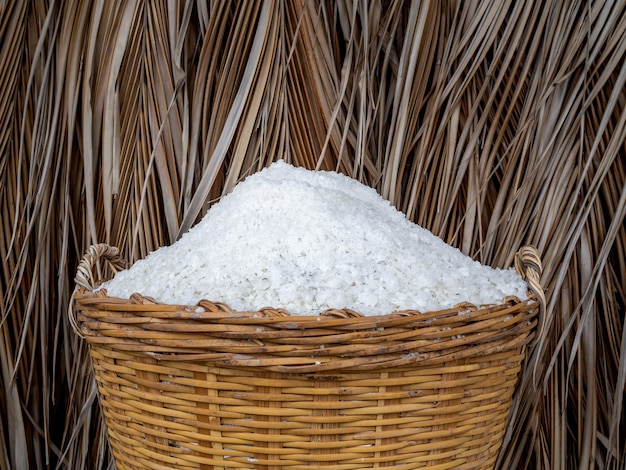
(204, 387)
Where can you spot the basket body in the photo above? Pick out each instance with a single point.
(207, 388)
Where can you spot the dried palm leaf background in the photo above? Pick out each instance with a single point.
(493, 124)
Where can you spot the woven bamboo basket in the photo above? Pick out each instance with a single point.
(204, 387)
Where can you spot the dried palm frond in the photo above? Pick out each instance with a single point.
(14, 450)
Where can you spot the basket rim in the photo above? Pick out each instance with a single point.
(303, 343)
(205, 309)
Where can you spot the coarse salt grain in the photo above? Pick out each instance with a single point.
(306, 241)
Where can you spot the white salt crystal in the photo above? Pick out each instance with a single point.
(306, 241)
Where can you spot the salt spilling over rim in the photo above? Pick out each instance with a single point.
(308, 241)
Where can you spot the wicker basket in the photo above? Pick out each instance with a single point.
(208, 388)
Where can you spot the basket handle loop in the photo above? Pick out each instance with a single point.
(528, 265)
(85, 276)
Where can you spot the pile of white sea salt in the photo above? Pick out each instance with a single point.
(307, 241)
